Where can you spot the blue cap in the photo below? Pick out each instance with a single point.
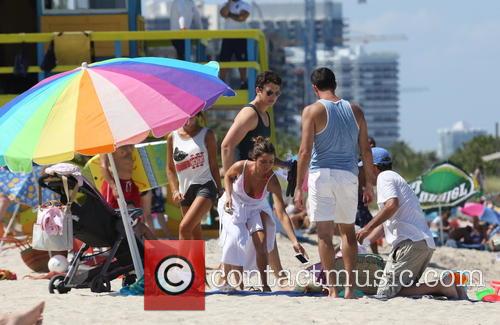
(381, 156)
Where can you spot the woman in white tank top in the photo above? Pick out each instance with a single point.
(243, 208)
(193, 174)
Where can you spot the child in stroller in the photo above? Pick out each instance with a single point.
(97, 225)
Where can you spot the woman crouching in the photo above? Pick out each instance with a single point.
(248, 230)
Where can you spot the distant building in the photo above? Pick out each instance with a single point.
(286, 21)
(284, 27)
(452, 139)
(372, 80)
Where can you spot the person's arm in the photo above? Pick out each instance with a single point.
(211, 143)
(389, 209)
(366, 154)
(173, 182)
(224, 11)
(304, 155)
(281, 163)
(106, 174)
(241, 17)
(244, 122)
(229, 178)
(279, 205)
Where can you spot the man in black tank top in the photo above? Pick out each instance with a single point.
(251, 121)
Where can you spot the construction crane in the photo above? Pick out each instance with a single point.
(367, 38)
(309, 47)
(310, 59)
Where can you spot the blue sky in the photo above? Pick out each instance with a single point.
(453, 50)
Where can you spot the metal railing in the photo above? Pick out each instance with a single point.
(256, 52)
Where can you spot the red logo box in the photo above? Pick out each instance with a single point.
(174, 275)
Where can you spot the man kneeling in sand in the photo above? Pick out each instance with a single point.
(407, 232)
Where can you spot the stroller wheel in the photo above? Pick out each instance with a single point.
(57, 284)
(100, 284)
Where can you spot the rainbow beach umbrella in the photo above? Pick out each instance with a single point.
(97, 107)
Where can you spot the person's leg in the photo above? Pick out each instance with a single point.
(192, 217)
(236, 271)
(326, 249)
(406, 263)
(225, 56)
(274, 255)
(349, 255)
(32, 316)
(345, 188)
(259, 241)
(179, 49)
(4, 205)
(146, 203)
(240, 49)
(437, 288)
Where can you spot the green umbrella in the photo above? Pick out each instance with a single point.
(444, 185)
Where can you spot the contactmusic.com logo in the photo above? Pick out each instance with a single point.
(174, 275)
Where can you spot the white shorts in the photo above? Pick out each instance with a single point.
(333, 195)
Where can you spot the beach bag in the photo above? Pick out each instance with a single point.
(53, 229)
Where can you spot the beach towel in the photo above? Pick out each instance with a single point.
(367, 265)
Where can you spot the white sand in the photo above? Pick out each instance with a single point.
(84, 307)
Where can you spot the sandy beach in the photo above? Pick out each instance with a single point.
(84, 307)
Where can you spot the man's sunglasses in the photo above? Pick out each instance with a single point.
(270, 93)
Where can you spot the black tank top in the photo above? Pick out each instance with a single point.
(246, 145)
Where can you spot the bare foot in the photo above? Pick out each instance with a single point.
(30, 317)
(332, 292)
(349, 293)
(462, 292)
(266, 288)
(450, 292)
(448, 289)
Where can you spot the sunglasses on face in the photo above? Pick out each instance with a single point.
(269, 92)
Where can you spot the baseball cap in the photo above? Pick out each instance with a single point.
(381, 156)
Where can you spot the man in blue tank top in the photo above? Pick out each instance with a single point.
(333, 132)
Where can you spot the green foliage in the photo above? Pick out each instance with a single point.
(409, 163)
(286, 144)
(469, 155)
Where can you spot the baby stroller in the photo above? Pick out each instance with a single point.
(97, 225)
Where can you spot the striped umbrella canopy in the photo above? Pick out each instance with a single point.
(97, 107)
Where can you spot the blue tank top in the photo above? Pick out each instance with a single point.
(336, 146)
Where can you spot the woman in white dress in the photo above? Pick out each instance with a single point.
(248, 231)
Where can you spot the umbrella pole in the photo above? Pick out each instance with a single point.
(11, 222)
(441, 233)
(134, 250)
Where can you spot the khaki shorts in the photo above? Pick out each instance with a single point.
(406, 264)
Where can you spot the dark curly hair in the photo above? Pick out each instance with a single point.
(262, 146)
(267, 77)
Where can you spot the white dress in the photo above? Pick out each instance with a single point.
(237, 228)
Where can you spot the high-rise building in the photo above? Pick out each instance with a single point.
(452, 139)
(284, 25)
(371, 79)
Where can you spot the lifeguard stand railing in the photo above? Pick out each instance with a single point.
(256, 52)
